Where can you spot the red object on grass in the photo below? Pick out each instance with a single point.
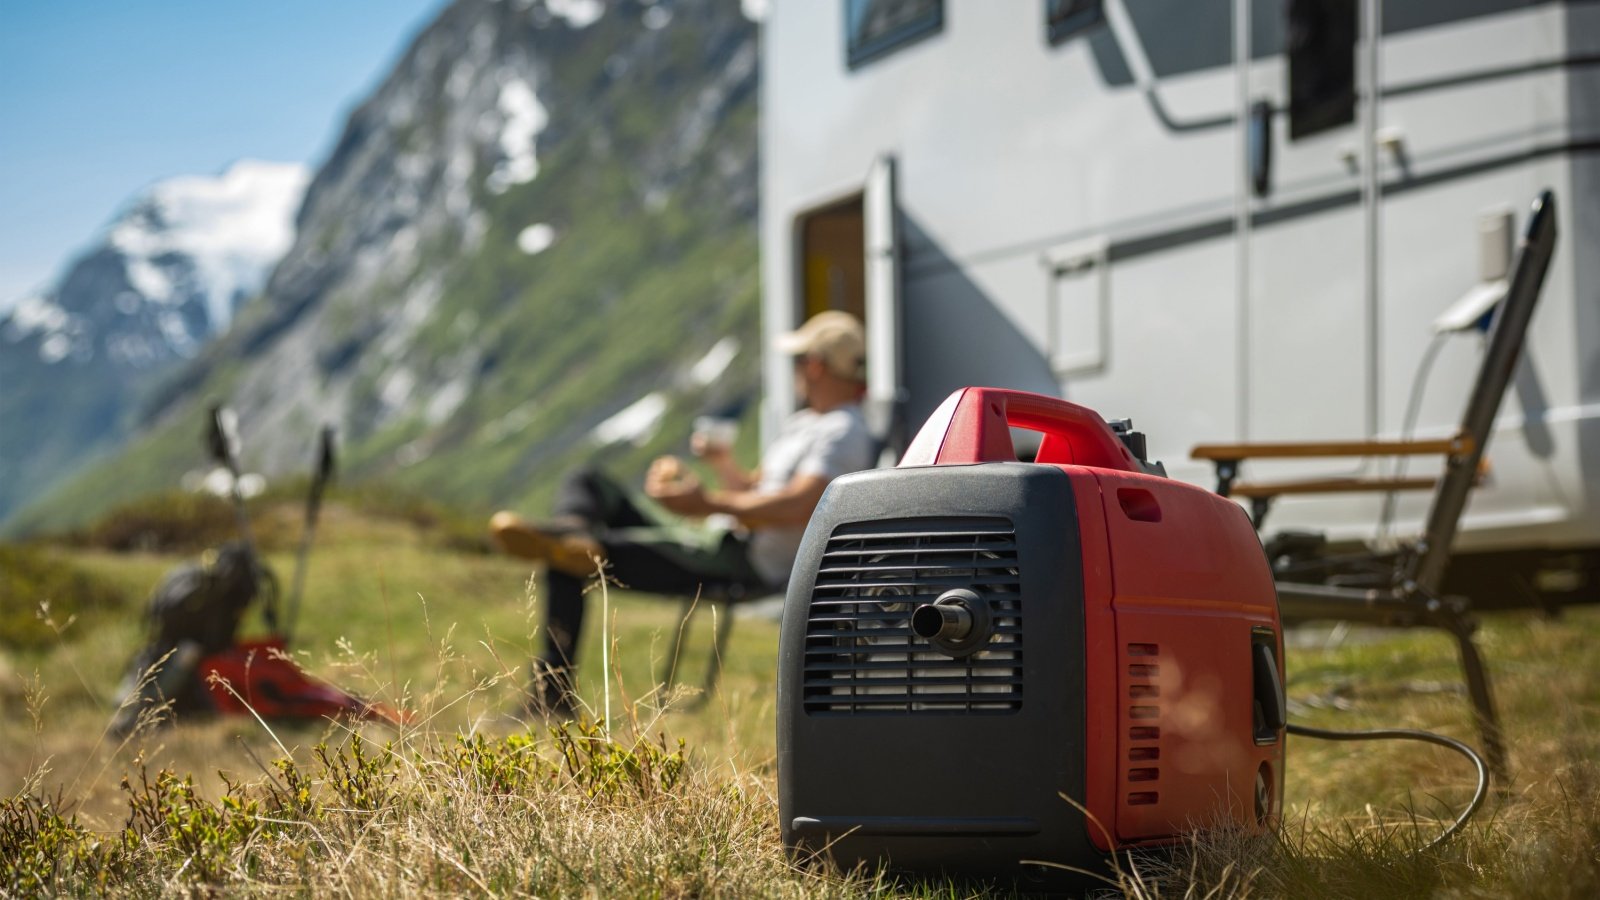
(260, 676)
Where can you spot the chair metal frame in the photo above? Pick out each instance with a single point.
(721, 604)
(1410, 595)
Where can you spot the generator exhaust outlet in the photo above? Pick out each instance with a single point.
(957, 623)
(952, 623)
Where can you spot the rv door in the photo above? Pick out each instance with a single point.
(1308, 311)
(885, 401)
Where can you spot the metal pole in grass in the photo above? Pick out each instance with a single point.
(319, 483)
(605, 647)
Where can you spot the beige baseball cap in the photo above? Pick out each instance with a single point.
(834, 337)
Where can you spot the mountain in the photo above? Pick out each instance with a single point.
(532, 247)
(164, 277)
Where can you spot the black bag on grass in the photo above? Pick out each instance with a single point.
(194, 611)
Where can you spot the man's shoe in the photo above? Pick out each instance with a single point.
(566, 547)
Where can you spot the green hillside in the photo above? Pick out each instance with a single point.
(454, 358)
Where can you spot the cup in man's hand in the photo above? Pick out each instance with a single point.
(713, 436)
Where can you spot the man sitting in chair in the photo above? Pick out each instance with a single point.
(646, 547)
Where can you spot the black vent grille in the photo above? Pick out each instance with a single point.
(861, 655)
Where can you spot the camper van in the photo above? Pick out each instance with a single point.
(1228, 220)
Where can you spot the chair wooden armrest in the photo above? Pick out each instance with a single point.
(1451, 446)
(1251, 489)
(1227, 458)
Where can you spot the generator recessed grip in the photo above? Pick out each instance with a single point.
(974, 425)
(1271, 708)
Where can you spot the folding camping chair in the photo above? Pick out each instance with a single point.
(1402, 588)
(890, 440)
(721, 603)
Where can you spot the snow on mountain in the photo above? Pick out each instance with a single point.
(40, 315)
(536, 238)
(525, 117)
(577, 13)
(710, 367)
(162, 281)
(635, 423)
(169, 271)
(656, 18)
(230, 228)
(531, 247)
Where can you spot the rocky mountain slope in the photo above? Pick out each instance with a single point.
(163, 278)
(533, 246)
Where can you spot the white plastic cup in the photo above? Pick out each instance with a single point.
(716, 432)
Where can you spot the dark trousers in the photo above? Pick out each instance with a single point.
(645, 551)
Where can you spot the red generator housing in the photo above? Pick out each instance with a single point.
(987, 664)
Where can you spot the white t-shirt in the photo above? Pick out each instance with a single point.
(828, 444)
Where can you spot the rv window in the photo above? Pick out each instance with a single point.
(1065, 18)
(876, 27)
(1321, 46)
(1183, 36)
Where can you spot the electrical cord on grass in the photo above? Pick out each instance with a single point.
(1428, 737)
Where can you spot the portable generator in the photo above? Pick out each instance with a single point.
(993, 668)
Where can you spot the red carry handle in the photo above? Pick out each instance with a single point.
(974, 424)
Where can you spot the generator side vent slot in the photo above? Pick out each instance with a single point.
(1143, 708)
(861, 655)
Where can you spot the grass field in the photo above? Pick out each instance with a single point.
(472, 798)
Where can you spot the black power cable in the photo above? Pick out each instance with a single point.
(1428, 737)
(1419, 383)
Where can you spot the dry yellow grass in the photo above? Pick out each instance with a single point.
(473, 799)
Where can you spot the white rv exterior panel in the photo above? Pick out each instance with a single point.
(1069, 227)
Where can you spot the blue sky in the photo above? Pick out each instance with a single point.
(99, 99)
